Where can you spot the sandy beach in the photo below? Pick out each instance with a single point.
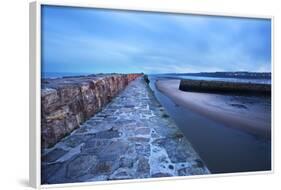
(251, 114)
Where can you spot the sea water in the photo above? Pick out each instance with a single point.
(222, 148)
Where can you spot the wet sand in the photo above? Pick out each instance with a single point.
(250, 114)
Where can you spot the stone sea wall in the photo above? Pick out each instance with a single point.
(131, 138)
(224, 87)
(68, 102)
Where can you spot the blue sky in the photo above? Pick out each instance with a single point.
(80, 40)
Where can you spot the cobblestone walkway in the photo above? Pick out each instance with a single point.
(133, 137)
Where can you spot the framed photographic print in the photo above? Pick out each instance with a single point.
(129, 94)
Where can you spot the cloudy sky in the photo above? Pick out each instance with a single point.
(80, 40)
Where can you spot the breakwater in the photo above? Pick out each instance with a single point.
(69, 101)
(133, 137)
(224, 87)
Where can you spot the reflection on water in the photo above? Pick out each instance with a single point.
(222, 148)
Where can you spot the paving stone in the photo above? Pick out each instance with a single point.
(75, 140)
(126, 162)
(143, 131)
(176, 152)
(191, 171)
(139, 139)
(121, 174)
(114, 151)
(143, 165)
(161, 175)
(107, 134)
(94, 146)
(143, 149)
(104, 167)
(53, 155)
(48, 170)
(80, 165)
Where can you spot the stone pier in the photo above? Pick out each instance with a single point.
(132, 137)
(223, 87)
(68, 102)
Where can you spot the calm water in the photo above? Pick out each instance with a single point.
(242, 80)
(60, 74)
(222, 148)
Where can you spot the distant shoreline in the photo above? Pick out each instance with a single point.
(250, 117)
(237, 74)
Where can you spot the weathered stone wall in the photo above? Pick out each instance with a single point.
(224, 87)
(68, 102)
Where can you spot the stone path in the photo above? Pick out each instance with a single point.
(133, 137)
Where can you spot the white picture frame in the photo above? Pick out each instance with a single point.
(35, 88)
